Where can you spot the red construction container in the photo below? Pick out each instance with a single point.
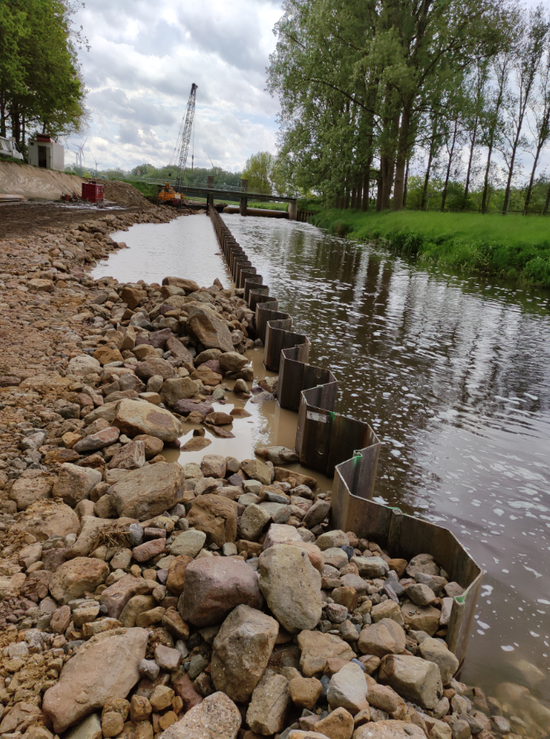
(92, 192)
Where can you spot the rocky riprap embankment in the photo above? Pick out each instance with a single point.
(204, 601)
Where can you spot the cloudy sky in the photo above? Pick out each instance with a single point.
(144, 56)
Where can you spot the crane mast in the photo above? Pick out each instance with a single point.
(187, 127)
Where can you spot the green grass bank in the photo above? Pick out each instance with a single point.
(513, 247)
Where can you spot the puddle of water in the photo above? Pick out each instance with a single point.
(268, 425)
(184, 247)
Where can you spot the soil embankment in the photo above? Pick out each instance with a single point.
(36, 183)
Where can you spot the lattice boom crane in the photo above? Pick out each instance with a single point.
(186, 136)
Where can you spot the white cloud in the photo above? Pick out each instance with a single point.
(144, 57)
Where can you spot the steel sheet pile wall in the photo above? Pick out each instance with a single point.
(327, 441)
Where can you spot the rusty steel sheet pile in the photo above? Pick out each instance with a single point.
(344, 447)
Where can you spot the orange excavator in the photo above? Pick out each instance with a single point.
(169, 196)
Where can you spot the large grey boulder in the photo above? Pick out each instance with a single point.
(348, 689)
(291, 586)
(242, 649)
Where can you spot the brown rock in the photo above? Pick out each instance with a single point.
(149, 491)
(105, 667)
(176, 574)
(294, 478)
(219, 418)
(214, 465)
(384, 637)
(257, 470)
(421, 619)
(48, 517)
(30, 487)
(107, 353)
(185, 690)
(132, 296)
(206, 376)
(196, 443)
(76, 577)
(179, 350)
(140, 417)
(153, 445)
(389, 730)
(216, 516)
(61, 618)
(130, 457)
(209, 329)
(149, 549)
(338, 724)
(305, 691)
(269, 704)
(117, 595)
(214, 586)
(217, 717)
(178, 388)
(317, 648)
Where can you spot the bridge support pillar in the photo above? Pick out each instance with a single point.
(243, 206)
(292, 210)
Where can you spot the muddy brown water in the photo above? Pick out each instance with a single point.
(452, 373)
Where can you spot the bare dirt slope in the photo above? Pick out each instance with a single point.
(32, 182)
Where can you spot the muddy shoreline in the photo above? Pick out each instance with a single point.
(53, 314)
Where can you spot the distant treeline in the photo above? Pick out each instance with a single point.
(379, 96)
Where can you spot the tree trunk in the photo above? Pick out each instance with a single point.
(401, 160)
(2, 116)
(366, 187)
(540, 144)
(547, 203)
(387, 167)
(470, 161)
(449, 166)
(507, 192)
(379, 190)
(346, 202)
(484, 198)
(406, 184)
(427, 179)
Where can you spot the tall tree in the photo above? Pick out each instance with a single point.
(40, 83)
(526, 62)
(541, 114)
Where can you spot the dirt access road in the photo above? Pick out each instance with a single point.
(22, 219)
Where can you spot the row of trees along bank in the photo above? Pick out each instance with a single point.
(40, 83)
(371, 90)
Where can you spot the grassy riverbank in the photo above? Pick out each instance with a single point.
(514, 247)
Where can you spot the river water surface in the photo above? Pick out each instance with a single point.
(454, 376)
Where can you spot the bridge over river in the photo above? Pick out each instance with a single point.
(211, 192)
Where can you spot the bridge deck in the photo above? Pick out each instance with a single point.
(235, 193)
